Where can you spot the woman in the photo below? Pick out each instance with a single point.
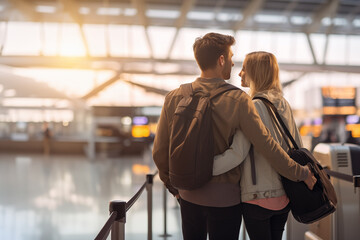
(265, 204)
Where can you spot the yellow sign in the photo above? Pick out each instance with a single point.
(314, 130)
(141, 131)
(338, 92)
(347, 110)
(355, 129)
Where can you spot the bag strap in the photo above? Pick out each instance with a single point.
(274, 113)
(275, 117)
(276, 122)
(252, 164)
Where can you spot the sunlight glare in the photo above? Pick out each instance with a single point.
(71, 42)
(72, 82)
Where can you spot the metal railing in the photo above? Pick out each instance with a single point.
(118, 209)
(345, 177)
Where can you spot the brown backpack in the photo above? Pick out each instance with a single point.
(191, 138)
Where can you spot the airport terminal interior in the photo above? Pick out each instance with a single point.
(82, 83)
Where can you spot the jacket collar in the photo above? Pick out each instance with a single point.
(210, 80)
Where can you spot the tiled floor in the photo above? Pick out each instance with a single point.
(67, 197)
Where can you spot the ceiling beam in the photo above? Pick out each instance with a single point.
(291, 6)
(249, 12)
(147, 88)
(140, 6)
(25, 8)
(219, 6)
(133, 65)
(117, 77)
(325, 52)
(73, 10)
(185, 8)
(353, 14)
(289, 9)
(93, 18)
(128, 65)
(288, 83)
(311, 48)
(351, 17)
(328, 10)
(3, 37)
(101, 87)
(326, 45)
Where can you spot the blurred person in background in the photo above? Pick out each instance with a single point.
(46, 139)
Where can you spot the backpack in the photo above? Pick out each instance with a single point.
(306, 205)
(191, 138)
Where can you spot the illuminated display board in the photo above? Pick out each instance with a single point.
(338, 100)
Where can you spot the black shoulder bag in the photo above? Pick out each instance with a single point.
(306, 205)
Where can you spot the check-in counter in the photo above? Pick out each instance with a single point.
(342, 163)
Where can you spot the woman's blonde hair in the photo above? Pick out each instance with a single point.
(263, 70)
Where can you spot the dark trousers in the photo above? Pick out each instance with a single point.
(264, 224)
(220, 222)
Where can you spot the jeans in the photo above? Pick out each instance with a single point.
(264, 224)
(220, 222)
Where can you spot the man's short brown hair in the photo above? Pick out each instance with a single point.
(209, 48)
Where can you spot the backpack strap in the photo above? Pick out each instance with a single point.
(186, 89)
(222, 89)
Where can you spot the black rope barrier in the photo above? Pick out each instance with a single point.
(339, 175)
(104, 232)
(349, 178)
(118, 209)
(149, 179)
(135, 197)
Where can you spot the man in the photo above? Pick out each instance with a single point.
(215, 208)
(46, 139)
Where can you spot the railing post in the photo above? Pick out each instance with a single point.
(149, 184)
(118, 228)
(165, 235)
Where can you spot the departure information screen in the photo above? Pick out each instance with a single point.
(338, 100)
